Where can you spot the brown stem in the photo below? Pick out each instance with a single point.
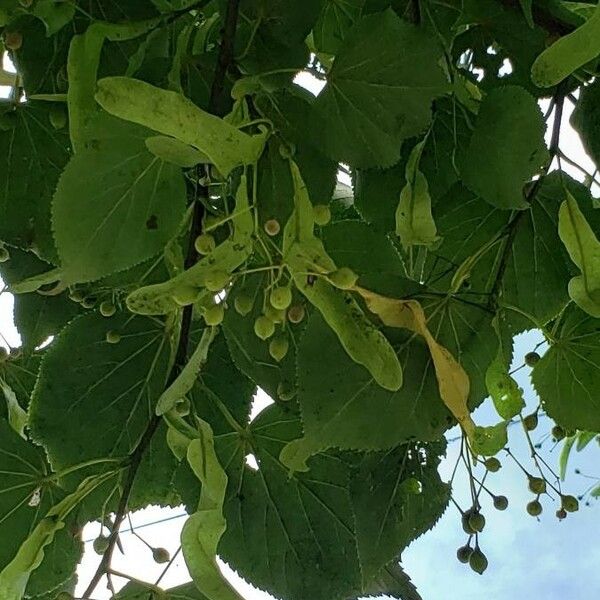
(215, 106)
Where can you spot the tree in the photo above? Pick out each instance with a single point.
(169, 213)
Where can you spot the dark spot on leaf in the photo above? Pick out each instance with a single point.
(152, 222)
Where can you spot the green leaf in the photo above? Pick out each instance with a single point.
(15, 575)
(568, 53)
(336, 19)
(343, 407)
(537, 269)
(488, 441)
(107, 393)
(414, 223)
(25, 496)
(37, 316)
(586, 119)
(31, 146)
(115, 205)
(54, 15)
(172, 114)
(507, 147)
(379, 91)
(296, 537)
(396, 497)
(566, 376)
(584, 249)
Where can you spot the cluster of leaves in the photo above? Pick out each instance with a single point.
(170, 214)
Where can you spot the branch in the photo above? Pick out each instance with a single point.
(553, 150)
(225, 60)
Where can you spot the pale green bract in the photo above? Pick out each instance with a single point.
(173, 151)
(175, 115)
(82, 68)
(304, 253)
(186, 379)
(414, 222)
(159, 299)
(584, 249)
(568, 53)
(504, 390)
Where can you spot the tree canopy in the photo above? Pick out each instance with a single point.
(182, 223)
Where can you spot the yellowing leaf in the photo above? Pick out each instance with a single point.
(452, 379)
(568, 53)
(414, 221)
(584, 249)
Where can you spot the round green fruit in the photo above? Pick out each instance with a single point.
(88, 302)
(107, 309)
(285, 391)
(205, 243)
(532, 358)
(100, 544)
(296, 313)
(215, 281)
(281, 297)
(531, 421)
(464, 554)
(113, 337)
(243, 303)
(272, 227)
(492, 464)
(3, 353)
(536, 485)
(321, 214)
(465, 520)
(477, 522)
(76, 296)
(500, 502)
(478, 561)
(278, 347)
(561, 514)
(558, 433)
(344, 278)
(58, 117)
(264, 328)
(276, 315)
(534, 508)
(214, 314)
(161, 555)
(569, 503)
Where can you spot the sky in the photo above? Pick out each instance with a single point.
(541, 559)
